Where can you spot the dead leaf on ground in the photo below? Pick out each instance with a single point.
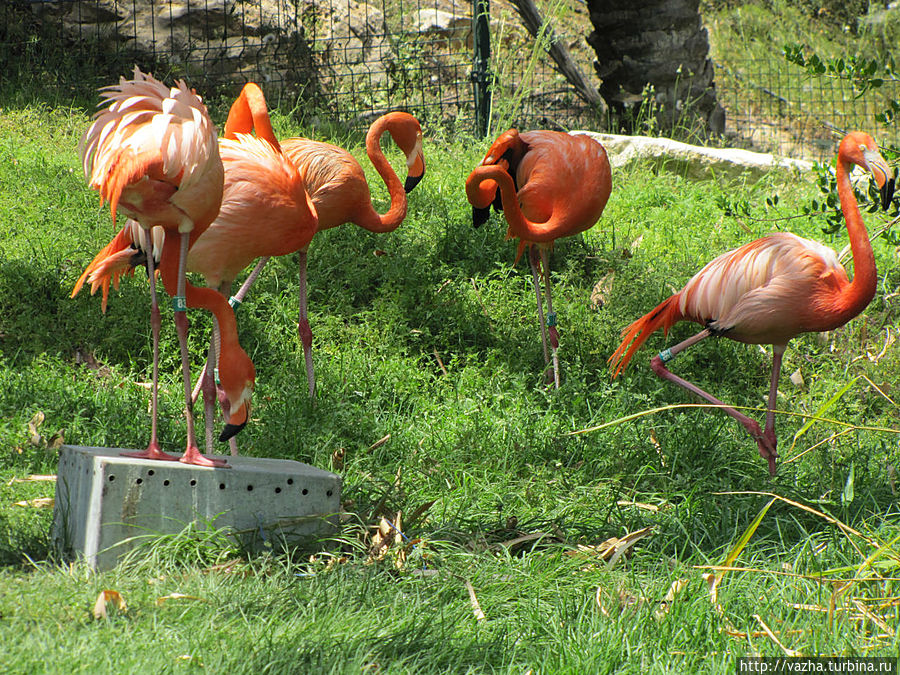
(389, 538)
(380, 442)
(797, 378)
(640, 505)
(676, 588)
(620, 601)
(39, 503)
(337, 459)
(34, 435)
(601, 291)
(106, 597)
(613, 548)
(34, 478)
(473, 600)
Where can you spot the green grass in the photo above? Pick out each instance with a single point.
(484, 441)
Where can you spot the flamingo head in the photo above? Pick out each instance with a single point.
(237, 376)
(407, 134)
(482, 190)
(861, 149)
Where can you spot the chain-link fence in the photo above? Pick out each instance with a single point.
(346, 61)
(776, 106)
(341, 60)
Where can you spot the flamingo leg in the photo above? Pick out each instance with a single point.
(535, 275)
(769, 432)
(303, 329)
(153, 450)
(192, 453)
(206, 384)
(765, 440)
(552, 334)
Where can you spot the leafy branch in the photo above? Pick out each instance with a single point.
(864, 74)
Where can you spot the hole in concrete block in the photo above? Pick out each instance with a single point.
(249, 488)
(290, 481)
(193, 482)
(277, 490)
(151, 472)
(166, 483)
(329, 493)
(304, 491)
(139, 481)
(221, 486)
(111, 478)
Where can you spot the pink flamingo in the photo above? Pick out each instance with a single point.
(771, 289)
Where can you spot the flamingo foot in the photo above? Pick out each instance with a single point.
(152, 452)
(193, 456)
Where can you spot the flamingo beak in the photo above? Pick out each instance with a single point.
(480, 216)
(412, 181)
(230, 431)
(887, 193)
(882, 174)
(415, 167)
(236, 423)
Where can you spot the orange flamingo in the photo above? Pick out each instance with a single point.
(771, 289)
(339, 191)
(152, 152)
(265, 211)
(549, 185)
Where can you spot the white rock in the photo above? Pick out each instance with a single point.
(692, 161)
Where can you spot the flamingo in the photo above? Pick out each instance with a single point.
(549, 185)
(265, 211)
(151, 151)
(771, 289)
(337, 184)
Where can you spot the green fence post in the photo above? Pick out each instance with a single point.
(481, 76)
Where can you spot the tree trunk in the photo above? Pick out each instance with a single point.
(653, 60)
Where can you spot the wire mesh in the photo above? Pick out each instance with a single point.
(347, 61)
(778, 107)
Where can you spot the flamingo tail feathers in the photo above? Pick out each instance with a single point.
(112, 262)
(665, 315)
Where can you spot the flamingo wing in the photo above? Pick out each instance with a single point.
(764, 291)
(154, 150)
(566, 174)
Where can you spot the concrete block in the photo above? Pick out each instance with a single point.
(105, 502)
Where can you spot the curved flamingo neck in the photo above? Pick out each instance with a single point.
(370, 219)
(519, 225)
(859, 293)
(250, 113)
(198, 296)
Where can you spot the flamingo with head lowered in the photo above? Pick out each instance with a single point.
(771, 289)
(549, 185)
(152, 152)
(265, 211)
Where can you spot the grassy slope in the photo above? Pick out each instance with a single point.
(486, 441)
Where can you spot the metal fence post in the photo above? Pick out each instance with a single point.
(481, 76)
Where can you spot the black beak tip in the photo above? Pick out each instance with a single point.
(480, 216)
(887, 194)
(230, 431)
(412, 181)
